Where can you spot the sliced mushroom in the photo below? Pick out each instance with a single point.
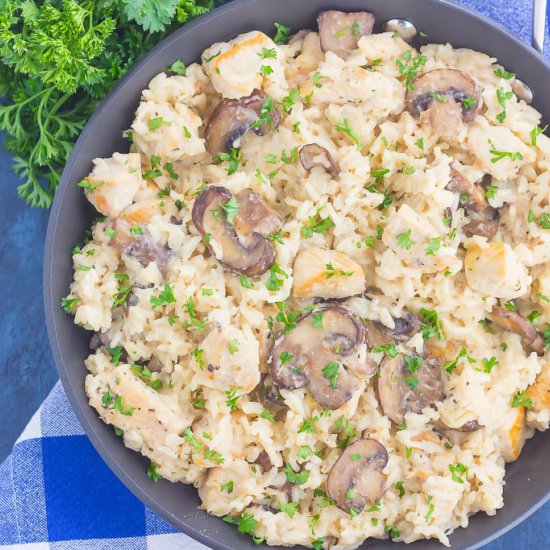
(401, 391)
(315, 355)
(514, 322)
(155, 364)
(255, 216)
(253, 254)
(439, 96)
(264, 462)
(340, 31)
(139, 246)
(357, 477)
(98, 340)
(484, 219)
(405, 328)
(233, 117)
(467, 427)
(472, 196)
(313, 154)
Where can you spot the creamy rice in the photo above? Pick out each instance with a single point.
(382, 234)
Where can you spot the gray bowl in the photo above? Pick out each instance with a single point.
(527, 480)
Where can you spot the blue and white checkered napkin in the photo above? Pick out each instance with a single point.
(55, 490)
(57, 493)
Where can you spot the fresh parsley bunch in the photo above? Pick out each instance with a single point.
(58, 59)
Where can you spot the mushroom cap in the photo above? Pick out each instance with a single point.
(397, 397)
(357, 477)
(445, 111)
(514, 322)
(313, 154)
(253, 257)
(339, 31)
(314, 356)
(484, 219)
(233, 117)
(141, 247)
(405, 328)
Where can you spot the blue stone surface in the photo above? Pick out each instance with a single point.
(27, 372)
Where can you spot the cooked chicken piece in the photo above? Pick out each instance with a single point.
(494, 269)
(539, 392)
(513, 433)
(122, 399)
(497, 150)
(326, 274)
(114, 182)
(235, 67)
(229, 358)
(408, 234)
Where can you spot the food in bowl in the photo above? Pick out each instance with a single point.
(320, 288)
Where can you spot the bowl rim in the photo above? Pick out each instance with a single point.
(94, 436)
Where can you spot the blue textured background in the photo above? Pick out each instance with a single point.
(27, 372)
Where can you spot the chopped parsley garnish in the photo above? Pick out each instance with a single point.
(438, 97)
(283, 33)
(231, 209)
(467, 102)
(450, 366)
(458, 470)
(121, 295)
(344, 125)
(488, 364)
(400, 488)
(535, 132)
(197, 400)
(434, 244)
(504, 74)
(499, 155)
(246, 524)
(152, 472)
(332, 272)
(521, 399)
(289, 100)
(413, 363)
(268, 53)
(233, 157)
(68, 304)
(88, 186)
(490, 191)
(379, 174)
(297, 478)
(214, 456)
(266, 70)
(304, 451)
(246, 282)
(403, 240)
(420, 143)
(156, 122)
(316, 79)
(178, 67)
(330, 371)
(316, 224)
(502, 97)
(431, 325)
(227, 486)
(431, 509)
(285, 316)
(118, 405)
(268, 415)
(388, 199)
(308, 426)
(164, 298)
(233, 346)
(116, 354)
(317, 319)
(388, 349)
(232, 398)
(289, 509)
(533, 315)
(278, 236)
(285, 357)
(196, 323)
(409, 66)
(136, 230)
(292, 158)
(274, 283)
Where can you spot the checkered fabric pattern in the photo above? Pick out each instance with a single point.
(55, 490)
(56, 493)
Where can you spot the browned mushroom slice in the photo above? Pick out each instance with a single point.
(467, 427)
(484, 219)
(514, 322)
(485, 224)
(340, 31)
(315, 353)
(155, 364)
(313, 154)
(402, 389)
(405, 328)
(255, 216)
(139, 245)
(252, 257)
(446, 97)
(233, 117)
(357, 477)
(472, 196)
